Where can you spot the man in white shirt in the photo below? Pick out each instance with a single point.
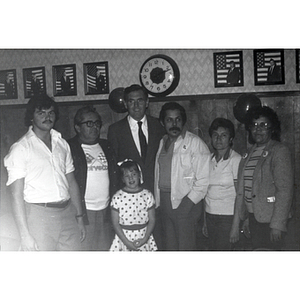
(45, 194)
(96, 174)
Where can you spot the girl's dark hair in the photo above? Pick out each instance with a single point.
(221, 122)
(267, 112)
(39, 102)
(172, 106)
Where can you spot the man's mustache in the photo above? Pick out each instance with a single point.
(174, 128)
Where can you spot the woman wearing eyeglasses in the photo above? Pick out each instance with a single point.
(265, 182)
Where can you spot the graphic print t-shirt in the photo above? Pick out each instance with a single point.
(97, 185)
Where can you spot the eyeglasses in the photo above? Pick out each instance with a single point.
(261, 125)
(91, 123)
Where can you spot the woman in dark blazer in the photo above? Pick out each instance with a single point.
(265, 182)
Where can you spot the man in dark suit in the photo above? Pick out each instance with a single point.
(65, 83)
(233, 75)
(123, 137)
(273, 72)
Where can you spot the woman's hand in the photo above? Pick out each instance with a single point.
(246, 229)
(234, 234)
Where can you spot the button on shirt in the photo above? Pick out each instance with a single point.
(44, 171)
(134, 127)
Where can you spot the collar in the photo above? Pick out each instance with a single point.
(226, 155)
(133, 123)
(182, 134)
(53, 133)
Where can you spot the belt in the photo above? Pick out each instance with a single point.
(134, 226)
(60, 204)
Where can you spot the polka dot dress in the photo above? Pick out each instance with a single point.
(133, 210)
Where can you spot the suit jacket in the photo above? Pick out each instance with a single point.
(272, 180)
(275, 75)
(234, 76)
(65, 84)
(121, 140)
(80, 165)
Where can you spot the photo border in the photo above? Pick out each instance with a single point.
(222, 65)
(90, 78)
(261, 59)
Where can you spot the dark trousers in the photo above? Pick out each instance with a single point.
(99, 232)
(218, 227)
(179, 225)
(158, 230)
(260, 235)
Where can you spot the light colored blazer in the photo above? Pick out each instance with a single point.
(273, 178)
(189, 169)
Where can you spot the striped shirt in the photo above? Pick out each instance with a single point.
(248, 176)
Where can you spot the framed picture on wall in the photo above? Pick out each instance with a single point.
(8, 84)
(96, 78)
(268, 67)
(34, 81)
(64, 80)
(298, 65)
(228, 69)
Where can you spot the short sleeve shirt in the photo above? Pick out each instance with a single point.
(133, 207)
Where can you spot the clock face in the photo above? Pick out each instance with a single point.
(159, 75)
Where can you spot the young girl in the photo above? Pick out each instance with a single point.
(133, 213)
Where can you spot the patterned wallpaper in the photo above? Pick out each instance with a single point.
(196, 69)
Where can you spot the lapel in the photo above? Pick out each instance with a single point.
(265, 154)
(151, 140)
(130, 142)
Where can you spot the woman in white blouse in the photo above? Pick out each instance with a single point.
(221, 194)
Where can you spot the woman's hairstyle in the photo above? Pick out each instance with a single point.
(221, 122)
(84, 110)
(172, 106)
(267, 112)
(39, 102)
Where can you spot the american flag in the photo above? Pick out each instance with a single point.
(39, 76)
(223, 65)
(3, 77)
(92, 75)
(70, 74)
(263, 63)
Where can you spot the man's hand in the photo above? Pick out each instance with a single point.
(185, 206)
(275, 235)
(82, 229)
(28, 243)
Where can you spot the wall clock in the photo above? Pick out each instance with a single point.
(160, 75)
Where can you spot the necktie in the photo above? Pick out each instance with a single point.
(143, 142)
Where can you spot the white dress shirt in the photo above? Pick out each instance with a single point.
(44, 171)
(134, 127)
